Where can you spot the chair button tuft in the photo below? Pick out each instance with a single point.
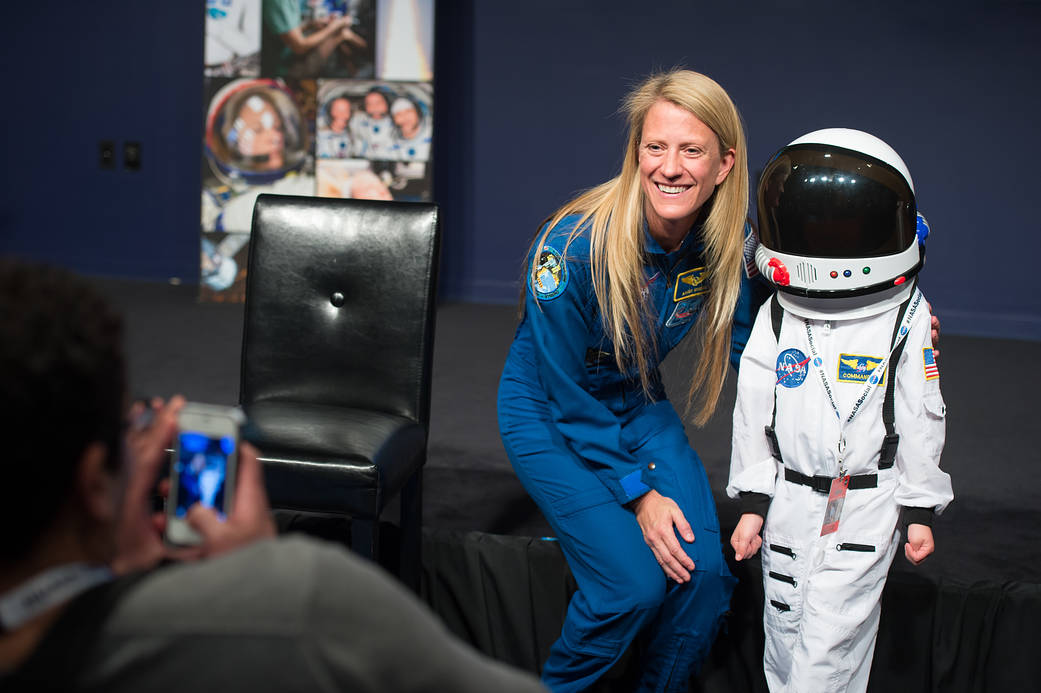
(337, 299)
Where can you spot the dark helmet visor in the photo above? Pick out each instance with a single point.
(818, 200)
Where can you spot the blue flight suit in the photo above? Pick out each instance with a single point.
(585, 441)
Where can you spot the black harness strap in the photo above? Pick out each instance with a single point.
(892, 439)
(776, 315)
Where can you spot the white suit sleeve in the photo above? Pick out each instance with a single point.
(753, 468)
(921, 422)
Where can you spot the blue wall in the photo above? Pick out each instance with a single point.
(76, 73)
(527, 95)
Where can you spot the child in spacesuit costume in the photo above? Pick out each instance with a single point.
(839, 421)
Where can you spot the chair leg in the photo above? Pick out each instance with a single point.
(410, 558)
(365, 538)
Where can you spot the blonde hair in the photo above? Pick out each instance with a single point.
(615, 214)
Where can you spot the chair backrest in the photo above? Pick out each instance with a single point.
(340, 301)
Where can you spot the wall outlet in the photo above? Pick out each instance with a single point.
(132, 156)
(107, 154)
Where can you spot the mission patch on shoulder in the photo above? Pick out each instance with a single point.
(551, 275)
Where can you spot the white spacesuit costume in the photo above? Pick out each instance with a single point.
(416, 147)
(839, 370)
(373, 137)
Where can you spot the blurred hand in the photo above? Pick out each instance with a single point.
(250, 517)
(139, 534)
(745, 539)
(660, 519)
(919, 543)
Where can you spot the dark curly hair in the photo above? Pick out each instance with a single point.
(62, 387)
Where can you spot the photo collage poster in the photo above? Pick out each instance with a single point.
(332, 98)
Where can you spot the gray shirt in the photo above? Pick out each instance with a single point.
(290, 614)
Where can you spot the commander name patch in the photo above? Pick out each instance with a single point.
(857, 368)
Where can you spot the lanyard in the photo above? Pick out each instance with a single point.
(49, 588)
(869, 385)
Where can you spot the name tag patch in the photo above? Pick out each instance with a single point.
(690, 284)
(857, 368)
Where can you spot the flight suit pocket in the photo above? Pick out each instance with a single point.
(582, 500)
(934, 404)
(782, 587)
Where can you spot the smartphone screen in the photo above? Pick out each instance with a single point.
(201, 470)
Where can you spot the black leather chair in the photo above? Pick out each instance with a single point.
(336, 353)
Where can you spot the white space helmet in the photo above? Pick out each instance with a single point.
(837, 217)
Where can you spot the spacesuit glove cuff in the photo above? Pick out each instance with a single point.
(756, 503)
(918, 516)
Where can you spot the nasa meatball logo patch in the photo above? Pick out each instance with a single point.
(550, 277)
(791, 368)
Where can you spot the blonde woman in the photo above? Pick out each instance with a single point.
(615, 279)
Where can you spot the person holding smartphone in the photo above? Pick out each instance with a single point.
(84, 603)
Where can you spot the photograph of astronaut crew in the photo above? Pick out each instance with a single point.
(201, 470)
(378, 121)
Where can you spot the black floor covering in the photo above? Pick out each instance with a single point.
(482, 526)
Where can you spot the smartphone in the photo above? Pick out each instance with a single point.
(203, 466)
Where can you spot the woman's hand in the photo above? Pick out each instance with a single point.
(745, 539)
(660, 519)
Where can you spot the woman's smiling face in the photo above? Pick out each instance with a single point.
(680, 167)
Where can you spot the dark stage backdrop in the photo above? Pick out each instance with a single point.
(526, 117)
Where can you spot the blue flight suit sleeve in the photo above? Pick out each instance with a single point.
(754, 292)
(562, 321)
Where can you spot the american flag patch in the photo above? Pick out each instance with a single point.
(751, 243)
(929, 362)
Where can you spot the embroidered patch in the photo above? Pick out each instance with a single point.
(791, 367)
(689, 284)
(751, 243)
(646, 290)
(551, 274)
(857, 368)
(932, 372)
(682, 313)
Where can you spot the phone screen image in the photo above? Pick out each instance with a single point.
(201, 470)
